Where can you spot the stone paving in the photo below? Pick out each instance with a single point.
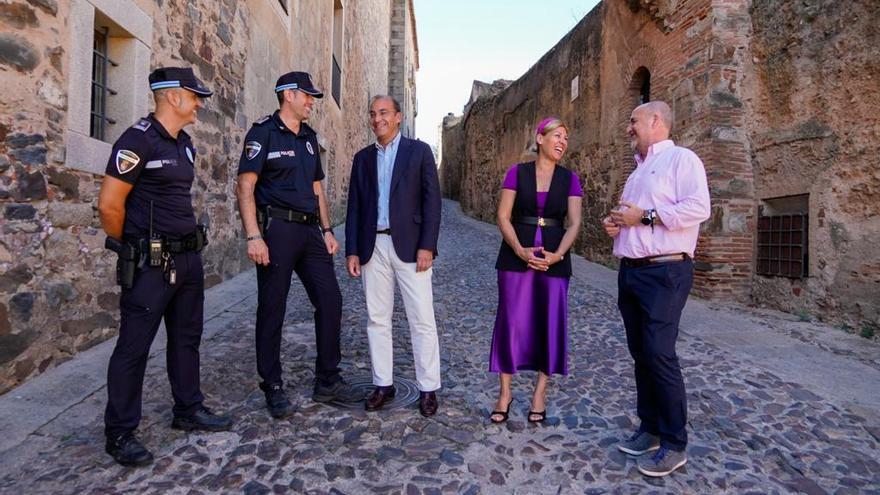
(750, 431)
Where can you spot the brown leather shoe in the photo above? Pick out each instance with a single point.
(379, 397)
(428, 403)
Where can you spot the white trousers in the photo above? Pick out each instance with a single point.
(380, 275)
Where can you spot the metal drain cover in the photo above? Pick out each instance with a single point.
(407, 392)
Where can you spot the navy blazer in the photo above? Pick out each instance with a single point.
(414, 209)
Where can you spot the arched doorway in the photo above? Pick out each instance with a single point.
(637, 93)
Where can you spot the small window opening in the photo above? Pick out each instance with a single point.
(783, 237)
(101, 64)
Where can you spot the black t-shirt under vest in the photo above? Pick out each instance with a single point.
(526, 205)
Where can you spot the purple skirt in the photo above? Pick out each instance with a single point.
(531, 323)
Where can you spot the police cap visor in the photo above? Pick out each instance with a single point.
(178, 77)
(301, 81)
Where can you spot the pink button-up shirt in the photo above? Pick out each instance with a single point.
(672, 181)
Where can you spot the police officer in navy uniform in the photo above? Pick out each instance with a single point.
(287, 225)
(146, 211)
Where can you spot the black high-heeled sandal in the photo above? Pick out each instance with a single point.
(504, 414)
(541, 414)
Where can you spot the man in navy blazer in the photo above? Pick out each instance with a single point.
(391, 232)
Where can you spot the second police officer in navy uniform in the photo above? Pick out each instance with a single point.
(146, 211)
(287, 225)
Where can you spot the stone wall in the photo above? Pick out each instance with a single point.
(343, 128)
(607, 62)
(57, 293)
(404, 61)
(453, 137)
(451, 149)
(742, 79)
(815, 129)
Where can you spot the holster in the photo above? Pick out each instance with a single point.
(201, 236)
(126, 262)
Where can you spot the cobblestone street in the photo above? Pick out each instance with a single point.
(751, 431)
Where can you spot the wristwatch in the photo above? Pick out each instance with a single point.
(254, 237)
(324, 230)
(648, 217)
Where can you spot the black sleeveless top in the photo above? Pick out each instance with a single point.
(526, 205)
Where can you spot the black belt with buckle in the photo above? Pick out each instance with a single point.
(384, 231)
(195, 241)
(653, 260)
(539, 221)
(291, 215)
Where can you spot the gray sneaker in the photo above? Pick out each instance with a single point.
(640, 443)
(662, 462)
(338, 392)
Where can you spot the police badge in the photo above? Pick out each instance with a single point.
(309, 147)
(252, 149)
(126, 161)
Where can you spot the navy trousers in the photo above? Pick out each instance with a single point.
(300, 248)
(141, 310)
(651, 299)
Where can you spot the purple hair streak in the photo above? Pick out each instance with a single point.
(548, 125)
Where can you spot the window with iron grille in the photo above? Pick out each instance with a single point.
(783, 245)
(107, 98)
(101, 63)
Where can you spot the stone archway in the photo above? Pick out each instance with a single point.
(638, 91)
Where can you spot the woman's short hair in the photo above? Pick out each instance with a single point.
(549, 124)
(545, 127)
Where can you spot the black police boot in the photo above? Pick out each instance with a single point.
(203, 420)
(276, 401)
(127, 450)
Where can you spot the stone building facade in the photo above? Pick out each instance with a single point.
(777, 98)
(404, 60)
(57, 291)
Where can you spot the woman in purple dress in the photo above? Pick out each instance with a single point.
(539, 215)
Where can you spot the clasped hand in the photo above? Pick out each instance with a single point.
(626, 215)
(539, 263)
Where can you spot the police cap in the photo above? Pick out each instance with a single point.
(298, 80)
(178, 77)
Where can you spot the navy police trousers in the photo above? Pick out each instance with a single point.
(651, 299)
(142, 308)
(300, 248)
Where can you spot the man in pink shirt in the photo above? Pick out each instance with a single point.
(655, 231)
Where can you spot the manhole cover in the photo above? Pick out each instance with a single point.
(407, 392)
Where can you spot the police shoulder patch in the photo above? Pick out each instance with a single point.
(126, 161)
(252, 149)
(262, 120)
(142, 125)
